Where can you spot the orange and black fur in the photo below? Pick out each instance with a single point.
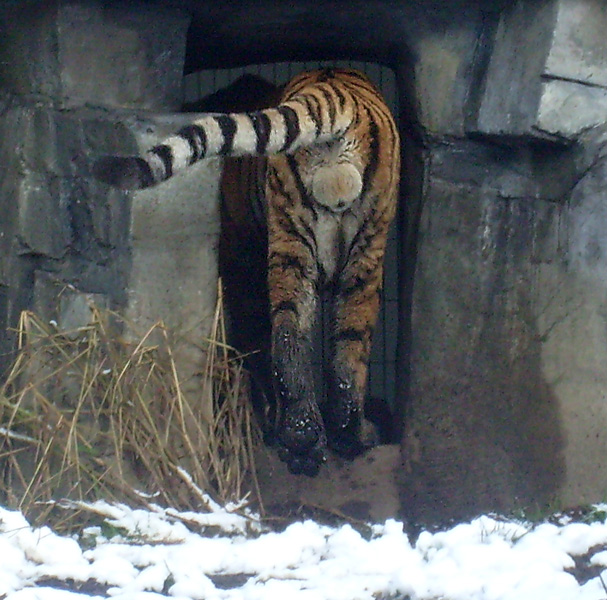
(330, 177)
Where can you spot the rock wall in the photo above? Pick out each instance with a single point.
(508, 352)
(80, 80)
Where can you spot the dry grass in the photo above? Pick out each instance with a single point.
(84, 415)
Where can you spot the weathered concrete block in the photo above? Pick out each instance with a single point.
(9, 178)
(58, 61)
(174, 232)
(63, 304)
(568, 108)
(43, 220)
(6, 342)
(153, 254)
(547, 71)
(35, 133)
(577, 52)
(78, 53)
(49, 200)
(443, 76)
(509, 357)
(512, 87)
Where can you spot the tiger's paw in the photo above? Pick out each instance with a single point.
(302, 440)
(301, 430)
(358, 436)
(347, 446)
(303, 464)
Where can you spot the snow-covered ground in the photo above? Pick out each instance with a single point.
(150, 554)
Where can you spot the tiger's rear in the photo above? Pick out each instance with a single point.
(331, 181)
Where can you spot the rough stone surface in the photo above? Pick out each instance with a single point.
(577, 51)
(547, 72)
(478, 399)
(57, 222)
(94, 52)
(568, 108)
(65, 306)
(509, 359)
(511, 89)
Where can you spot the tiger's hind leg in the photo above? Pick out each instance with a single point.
(294, 299)
(355, 308)
(301, 432)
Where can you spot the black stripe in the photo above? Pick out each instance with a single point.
(287, 261)
(340, 97)
(308, 229)
(330, 102)
(378, 108)
(292, 125)
(364, 234)
(165, 154)
(287, 224)
(124, 172)
(145, 175)
(257, 176)
(356, 286)
(368, 95)
(373, 158)
(313, 106)
(326, 74)
(228, 131)
(306, 200)
(262, 126)
(284, 306)
(289, 227)
(196, 137)
(358, 83)
(296, 85)
(349, 334)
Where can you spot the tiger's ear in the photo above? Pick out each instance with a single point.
(124, 172)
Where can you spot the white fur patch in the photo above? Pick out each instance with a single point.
(214, 135)
(245, 140)
(327, 236)
(336, 186)
(180, 150)
(278, 131)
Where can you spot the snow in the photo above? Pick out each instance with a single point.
(161, 552)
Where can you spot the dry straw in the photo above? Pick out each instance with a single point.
(86, 415)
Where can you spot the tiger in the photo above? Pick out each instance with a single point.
(328, 162)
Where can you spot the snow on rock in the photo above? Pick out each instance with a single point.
(162, 552)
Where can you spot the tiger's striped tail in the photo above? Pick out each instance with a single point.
(285, 128)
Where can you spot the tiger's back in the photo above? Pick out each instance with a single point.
(330, 181)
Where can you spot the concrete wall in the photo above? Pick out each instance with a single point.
(80, 80)
(507, 401)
